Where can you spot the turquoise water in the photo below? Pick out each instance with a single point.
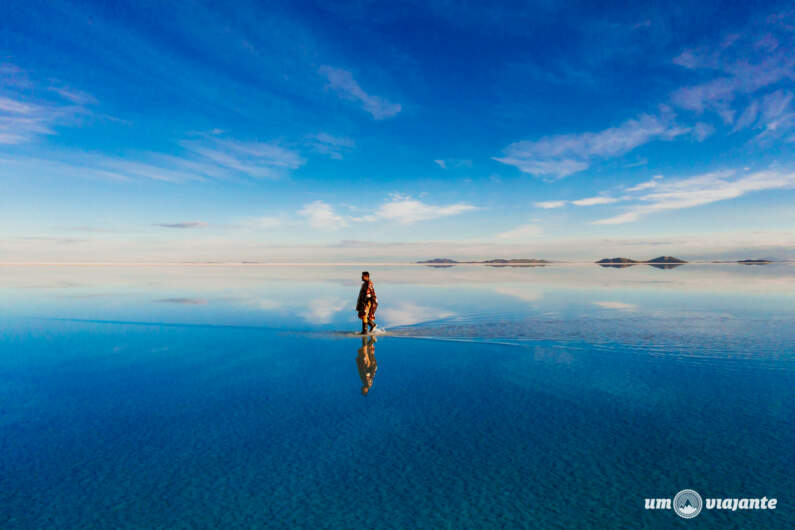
(556, 397)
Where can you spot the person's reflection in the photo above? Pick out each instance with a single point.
(366, 364)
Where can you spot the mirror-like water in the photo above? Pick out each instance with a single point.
(558, 396)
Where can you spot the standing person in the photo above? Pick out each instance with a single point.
(367, 303)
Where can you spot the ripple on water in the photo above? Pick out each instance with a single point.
(696, 338)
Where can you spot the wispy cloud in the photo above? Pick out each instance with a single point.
(520, 232)
(646, 185)
(183, 224)
(589, 201)
(203, 157)
(701, 131)
(676, 194)
(741, 64)
(31, 109)
(400, 209)
(333, 146)
(406, 210)
(548, 205)
(564, 154)
(773, 114)
(321, 215)
(343, 83)
(451, 163)
(253, 159)
(592, 201)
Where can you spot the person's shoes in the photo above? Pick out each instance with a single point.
(372, 325)
(364, 329)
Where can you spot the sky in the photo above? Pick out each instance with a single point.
(394, 131)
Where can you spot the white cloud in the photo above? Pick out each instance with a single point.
(406, 210)
(627, 217)
(646, 185)
(520, 232)
(547, 205)
(678, 194)
(564, 154)
(592, 201)
(398, 208)
(589, 201)
(442, 163)
(321, 215)
(342, 82)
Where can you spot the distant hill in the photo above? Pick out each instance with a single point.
(665, 259)
(663, 262)
(617, 261)
(755, 261)
(438, 261)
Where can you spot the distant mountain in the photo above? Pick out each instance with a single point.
(494, 262)
(665, 259)
(617, 261)
(663, 262)
(439, 260)
(755, 261)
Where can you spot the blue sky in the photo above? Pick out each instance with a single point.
(367, 130)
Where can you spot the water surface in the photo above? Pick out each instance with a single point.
(560, 396)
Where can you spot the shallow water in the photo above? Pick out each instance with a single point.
(559, 397)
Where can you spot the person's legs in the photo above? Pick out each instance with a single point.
(365, 318)
(371, 317)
